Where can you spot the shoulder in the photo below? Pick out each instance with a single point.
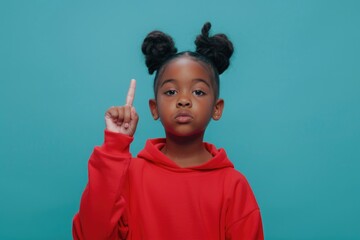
(234, 176)
(239, 196)
(237, 185)
(137, 162)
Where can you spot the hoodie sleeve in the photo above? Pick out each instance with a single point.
(249, 227)
(102, 203)
(243, 217)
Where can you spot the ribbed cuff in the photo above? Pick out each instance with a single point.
(116, 142)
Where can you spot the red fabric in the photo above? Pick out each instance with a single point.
(150, 197)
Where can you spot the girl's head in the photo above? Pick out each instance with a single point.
(186, 84)
(213, 53)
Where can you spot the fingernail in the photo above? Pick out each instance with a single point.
(126, 125)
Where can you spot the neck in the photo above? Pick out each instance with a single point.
(186, 151)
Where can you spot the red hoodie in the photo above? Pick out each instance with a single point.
(150, 197)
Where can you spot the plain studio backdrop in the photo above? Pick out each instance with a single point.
(291, 123)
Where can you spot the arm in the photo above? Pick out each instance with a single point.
(249, 227)
(243, 217)
(102, 203)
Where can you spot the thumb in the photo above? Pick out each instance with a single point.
(134, 116)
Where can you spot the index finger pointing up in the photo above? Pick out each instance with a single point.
(131, 93)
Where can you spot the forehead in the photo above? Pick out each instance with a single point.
(185, 68)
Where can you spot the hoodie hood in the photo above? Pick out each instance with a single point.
(152, 153)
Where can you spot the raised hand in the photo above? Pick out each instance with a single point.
(123, 119)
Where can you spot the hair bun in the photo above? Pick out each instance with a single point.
(157, 47)
(217, 48)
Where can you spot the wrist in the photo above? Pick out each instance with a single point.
(116, 142)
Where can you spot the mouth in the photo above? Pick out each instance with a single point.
(183, 117)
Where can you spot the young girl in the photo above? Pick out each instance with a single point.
(178, 187)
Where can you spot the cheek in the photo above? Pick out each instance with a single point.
(164, 107)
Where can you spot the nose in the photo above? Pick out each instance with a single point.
(183, 101)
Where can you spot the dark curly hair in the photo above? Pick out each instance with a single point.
(214, 51)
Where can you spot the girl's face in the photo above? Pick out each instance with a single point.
(185, 99)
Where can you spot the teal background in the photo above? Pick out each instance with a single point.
(291, 122)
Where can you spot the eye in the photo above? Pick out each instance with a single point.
(199, 93)
(170, 92)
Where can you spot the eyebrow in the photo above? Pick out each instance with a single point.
(201, 80)
(167, 81)
(194, 80)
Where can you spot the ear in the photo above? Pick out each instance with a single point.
(153, 109)
(218, 109)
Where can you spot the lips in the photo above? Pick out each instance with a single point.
(183, 117)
